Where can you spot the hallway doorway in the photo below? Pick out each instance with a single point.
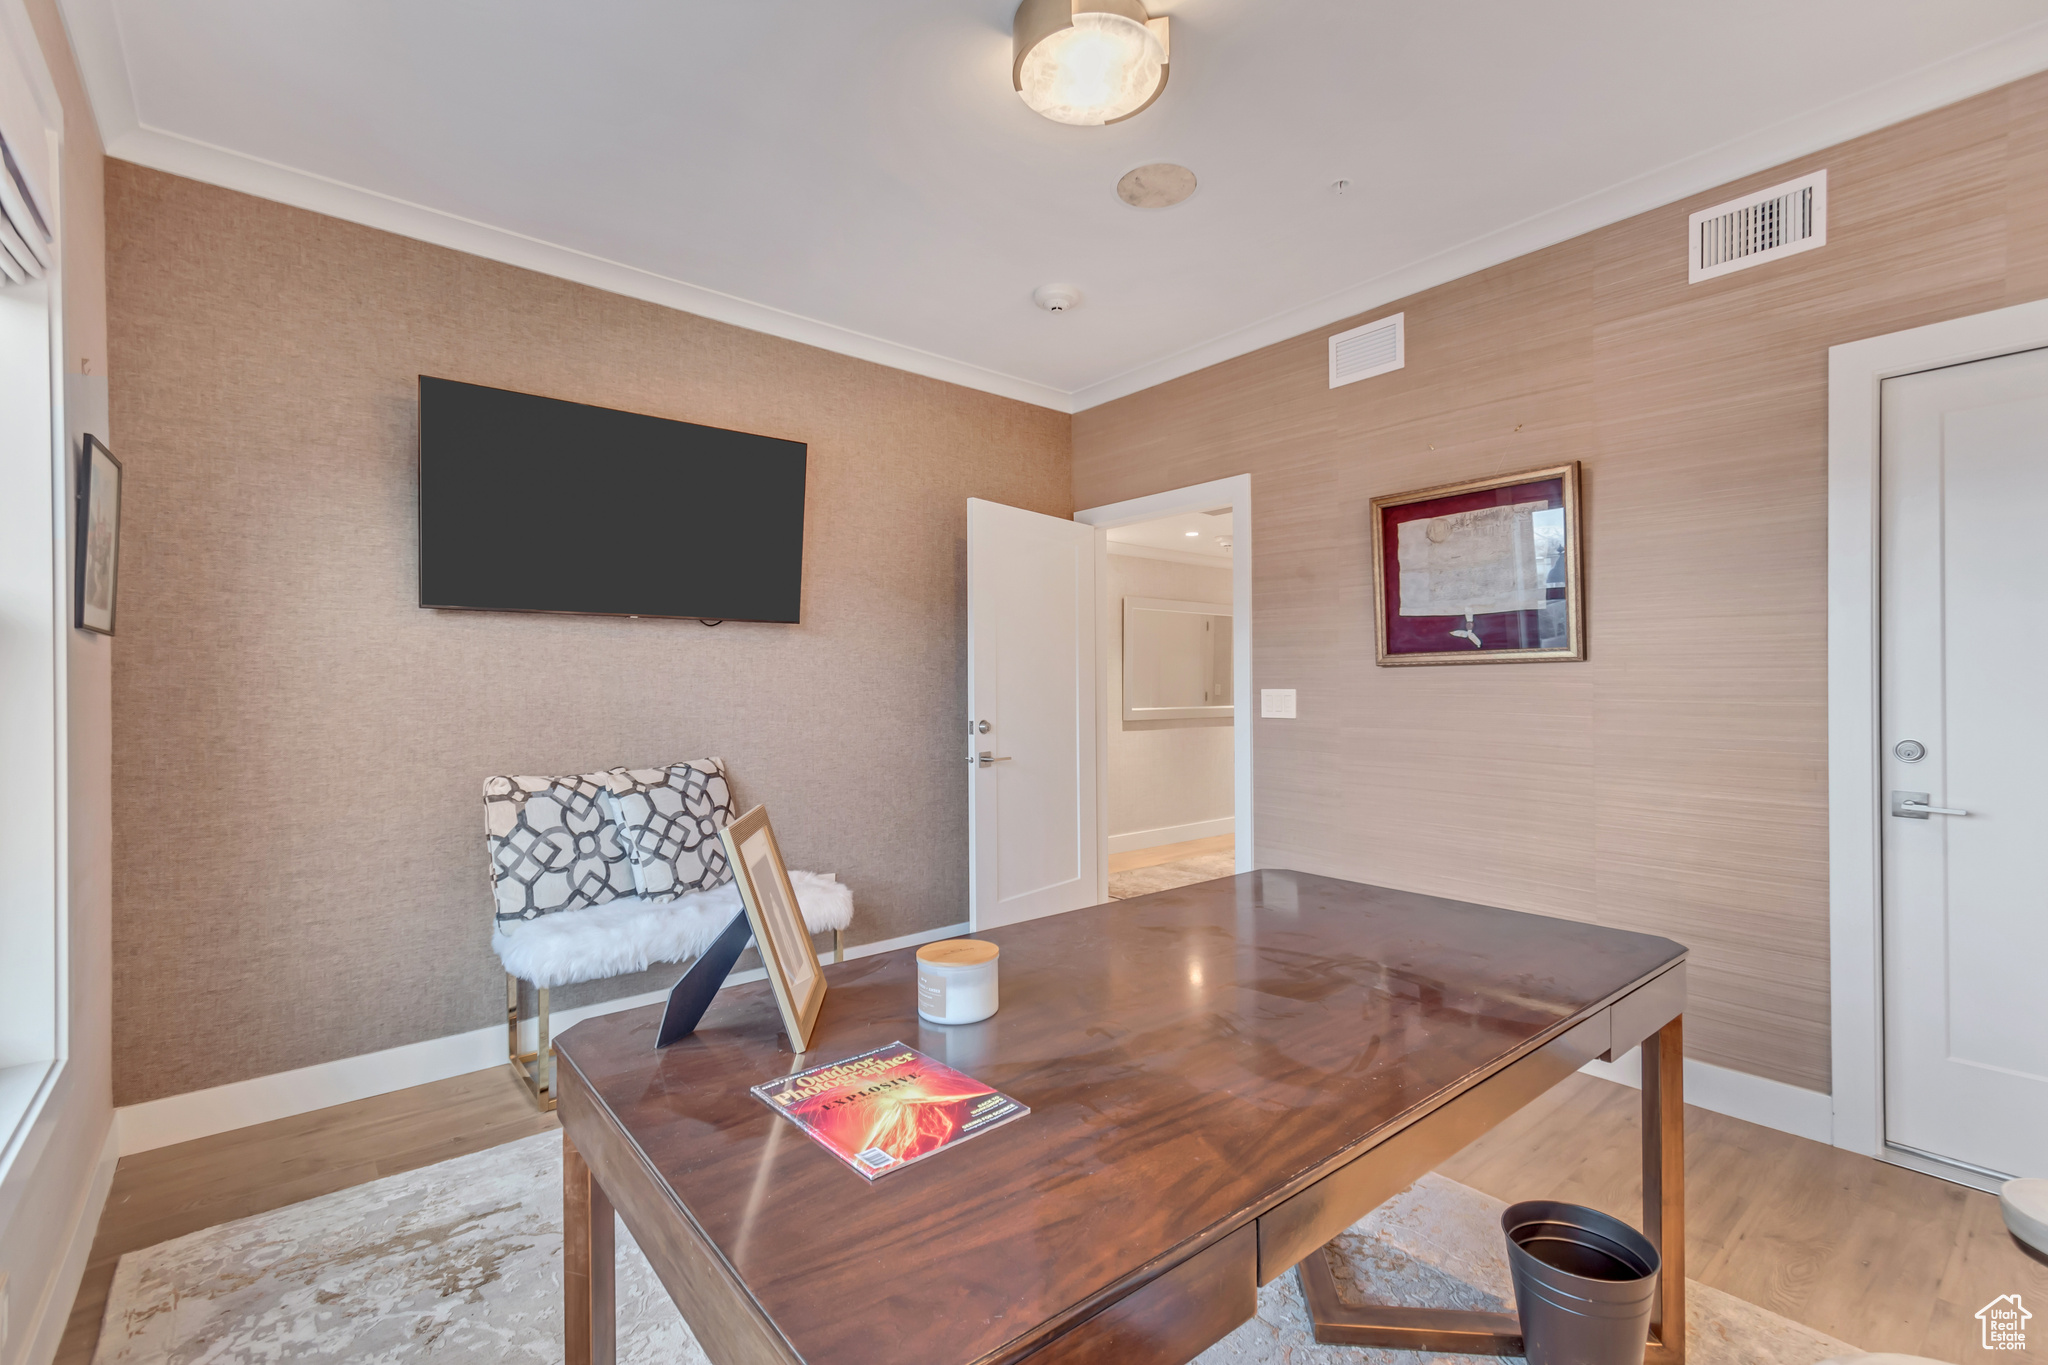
(1173, 755)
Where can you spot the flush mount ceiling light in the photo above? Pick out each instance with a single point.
(1087, 61)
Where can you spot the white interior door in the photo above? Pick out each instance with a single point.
(1031, 685)
(1964, 628)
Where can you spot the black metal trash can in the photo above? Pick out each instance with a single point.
(1584, 1284)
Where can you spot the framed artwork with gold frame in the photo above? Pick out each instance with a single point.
(1480, 572)
(778, 923)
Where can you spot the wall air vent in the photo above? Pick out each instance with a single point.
(1783, 220)
(1366, 351)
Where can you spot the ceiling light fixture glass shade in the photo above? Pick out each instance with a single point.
(1087, 62)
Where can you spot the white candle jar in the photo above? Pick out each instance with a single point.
(956, 981)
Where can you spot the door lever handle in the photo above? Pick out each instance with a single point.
(987, 757)
(1914, 806)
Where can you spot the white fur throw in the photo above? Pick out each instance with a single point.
(631, 934)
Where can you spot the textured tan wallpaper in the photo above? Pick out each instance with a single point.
(1676, 781)
(299, 749)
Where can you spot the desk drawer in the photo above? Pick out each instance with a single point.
(1173, 1319)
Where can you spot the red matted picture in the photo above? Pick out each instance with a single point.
(1480, 572)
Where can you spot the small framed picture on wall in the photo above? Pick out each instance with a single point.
(99, 538)
(1480, 572)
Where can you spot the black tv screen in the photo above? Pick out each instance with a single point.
(534, 504)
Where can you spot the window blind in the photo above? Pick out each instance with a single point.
(24, 236)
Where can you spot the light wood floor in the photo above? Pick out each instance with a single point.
(175, 1190)
(1879, 1256)
(1171, 853)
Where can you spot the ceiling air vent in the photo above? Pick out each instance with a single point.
(1366, 351)
(1783, 220)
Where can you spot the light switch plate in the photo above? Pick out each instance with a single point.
(1276, 703)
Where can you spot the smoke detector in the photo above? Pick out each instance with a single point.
(1057, 298)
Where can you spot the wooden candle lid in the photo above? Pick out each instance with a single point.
(958, 952)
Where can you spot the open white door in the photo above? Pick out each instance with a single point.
(1031, 685)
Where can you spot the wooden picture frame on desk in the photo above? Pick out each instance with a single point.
(779, 930)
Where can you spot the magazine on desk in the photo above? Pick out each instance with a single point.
(884, 1109)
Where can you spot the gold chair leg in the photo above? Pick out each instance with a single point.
(839, 945)
(544, 1062)
(536, 1069)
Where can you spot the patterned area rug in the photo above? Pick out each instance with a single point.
(1143, 881)
(462, 1262)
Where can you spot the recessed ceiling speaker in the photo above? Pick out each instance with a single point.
(1087, 62)
(1057, 298)
(1160, 185)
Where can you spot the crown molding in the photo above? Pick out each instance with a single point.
(1207, 561)
(95, 31)
(1973, 72)
(195, 160)
(96, 38)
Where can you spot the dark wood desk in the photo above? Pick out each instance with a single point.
(1221, 1077)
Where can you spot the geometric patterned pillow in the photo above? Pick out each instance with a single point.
(554, 845)
(669, 820)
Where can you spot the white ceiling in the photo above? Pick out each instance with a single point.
(859, 175)
(1190, 533)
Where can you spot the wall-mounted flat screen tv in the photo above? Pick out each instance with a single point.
(534, 504)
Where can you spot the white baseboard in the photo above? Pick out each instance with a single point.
(1171, 834)
(44, 1331)
(202, 1113)
(1754, 1099)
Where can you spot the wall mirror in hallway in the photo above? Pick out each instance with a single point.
(1176, 659)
